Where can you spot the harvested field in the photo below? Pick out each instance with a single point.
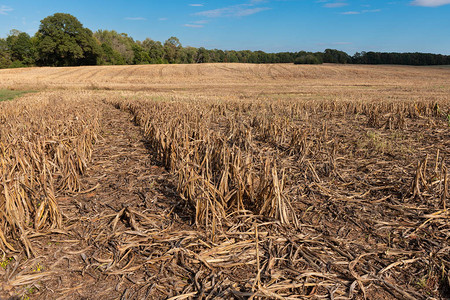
(225, 181)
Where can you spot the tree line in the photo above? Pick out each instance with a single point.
(63, 41)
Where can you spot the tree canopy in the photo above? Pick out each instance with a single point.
(63, 41)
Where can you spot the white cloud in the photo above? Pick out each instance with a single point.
(335, 4)
(201, 22)
(196, 5)
(162, 19)
(4, 10)
(240, 10)
(193, 25)
(197, 24)
(135, 19)
(371, 11)
(430, 3)
(250, 11)
(361, 12)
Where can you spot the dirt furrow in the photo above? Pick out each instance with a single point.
(82, 261)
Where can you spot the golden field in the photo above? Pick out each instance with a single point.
(236, 79)
(225, 181)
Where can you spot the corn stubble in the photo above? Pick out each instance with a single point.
(253, 159)
(220, 170)
(313, 190)
(46, 143)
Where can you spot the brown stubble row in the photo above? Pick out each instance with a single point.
(225, 144)
(299, 162)
(303, 181)
(216, 172)
(46, 141)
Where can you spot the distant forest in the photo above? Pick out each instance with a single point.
(63, 41)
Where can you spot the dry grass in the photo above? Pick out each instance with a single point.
(296, 181)
(226, 156)
(46, 142)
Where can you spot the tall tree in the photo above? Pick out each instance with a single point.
(63, 41)
(155, 51)
(336, 56)
(21, 46)
(121, 46)
(5, 55)
(202, 55)
(172, 48)
(140, 55)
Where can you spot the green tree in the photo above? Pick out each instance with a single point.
(63, 41)
(309, 59)
(5, 56)
(172, 49)
(336, 56)
(121, 45)
(21, 47)
(188, 55)
(155, 51)
(109, 56)
(140, 55)
(244, 56)
(231, 56)
(202, 55)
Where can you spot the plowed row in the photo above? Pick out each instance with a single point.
(225, 181)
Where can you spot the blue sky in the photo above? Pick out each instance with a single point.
(269, 25)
